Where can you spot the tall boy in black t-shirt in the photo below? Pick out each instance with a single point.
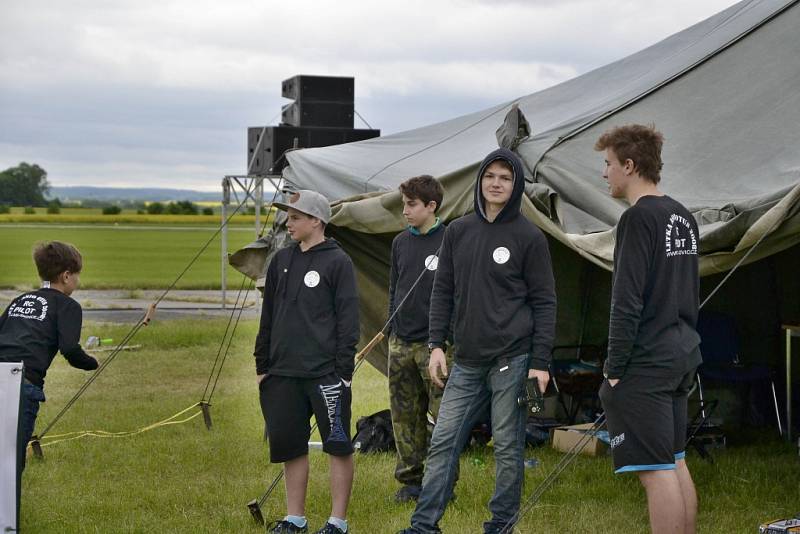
(37, 324)
(412, 394)
(652, 342)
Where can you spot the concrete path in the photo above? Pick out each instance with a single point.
(127, 306)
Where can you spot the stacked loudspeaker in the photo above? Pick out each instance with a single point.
(321, 115)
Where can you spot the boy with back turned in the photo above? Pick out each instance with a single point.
(653, 347)
(38, 324)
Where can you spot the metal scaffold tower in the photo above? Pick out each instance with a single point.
(251, 189)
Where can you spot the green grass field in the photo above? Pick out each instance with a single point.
(141, 257)
(183, 478)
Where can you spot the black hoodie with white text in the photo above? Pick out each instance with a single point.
(495, 280)
(309, 319)
(37, 325)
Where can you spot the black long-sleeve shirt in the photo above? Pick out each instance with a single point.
(655, 291)
(309, 317)
(413, 254)
(495, 281)
(37, 325)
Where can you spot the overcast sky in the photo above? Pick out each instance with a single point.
(159, 93)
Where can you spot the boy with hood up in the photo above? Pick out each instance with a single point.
(495, 281)
(304, 358)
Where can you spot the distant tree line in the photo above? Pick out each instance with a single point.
(24, 185)
(182, 207)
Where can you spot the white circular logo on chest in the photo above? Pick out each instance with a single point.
(501, 255)
(431, 262)
(311, 279)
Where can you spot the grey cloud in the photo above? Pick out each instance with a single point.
(159, 92)
(142, 136)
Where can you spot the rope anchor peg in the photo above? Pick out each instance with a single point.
(255, 511)
(36, 446)
(206, 408)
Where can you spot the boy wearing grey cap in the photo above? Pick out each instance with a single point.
(304, 358)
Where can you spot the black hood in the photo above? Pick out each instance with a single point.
(329, 244)
(511, 209)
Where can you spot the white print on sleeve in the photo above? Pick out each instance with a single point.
(679, 237)
(29, 307)
(311, 279)
(432, 262)
(501, 255)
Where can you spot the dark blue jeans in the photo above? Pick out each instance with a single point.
(32, 395)
(469, 390)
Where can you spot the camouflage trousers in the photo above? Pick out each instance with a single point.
(411, 396)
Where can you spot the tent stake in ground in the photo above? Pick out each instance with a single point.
(36, 445)
(206, 408)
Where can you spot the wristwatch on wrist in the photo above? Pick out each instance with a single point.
(433, 345)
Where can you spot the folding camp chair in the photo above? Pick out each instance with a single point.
(577, 372)
(701, 434)
(720, 348)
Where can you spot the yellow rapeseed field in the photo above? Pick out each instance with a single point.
(122, 218)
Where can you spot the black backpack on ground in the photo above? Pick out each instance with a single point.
(374, 433)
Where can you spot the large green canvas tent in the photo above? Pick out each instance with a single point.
(725, 94)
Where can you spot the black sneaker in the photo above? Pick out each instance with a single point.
(285, 527)
(407, 493)
(331, 529)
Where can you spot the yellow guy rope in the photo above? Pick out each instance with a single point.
(69, 436)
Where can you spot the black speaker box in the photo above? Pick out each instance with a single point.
(324, 114)
(320, 88)
(278, 139)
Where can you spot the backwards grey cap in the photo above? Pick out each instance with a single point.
(308, 202)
